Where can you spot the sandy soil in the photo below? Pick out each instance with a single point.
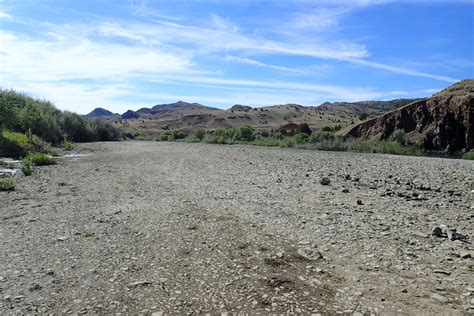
(180, 228)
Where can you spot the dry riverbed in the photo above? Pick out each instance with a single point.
(180, 228)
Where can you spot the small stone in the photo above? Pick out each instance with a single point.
(309, 253)
(465, 255)
(404, 291)
(325, 181)
(442, 272)
(139, 283)
(63, 238)
(438, 297)
(35, 287)
(345, 190)
(436, 231)
(359, 202)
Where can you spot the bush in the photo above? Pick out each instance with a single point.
(67, 145)
(399, 136)
(27, 167)
(469, 155)
(363, 116)
(38, 159)
(200, 133)
(300, 138)
(192, 138)
(321, 136)
(303, 128)
(7, 184)
(24, 114)
(176, 134)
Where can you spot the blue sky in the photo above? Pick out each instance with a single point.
(133, 53)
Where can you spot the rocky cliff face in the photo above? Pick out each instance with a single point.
(444, 122)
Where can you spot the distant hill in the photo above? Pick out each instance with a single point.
(372, 108)
(443, 122)
(180, 106)
(130, 115)
(101, 113)
(191, 116)
(240, 108)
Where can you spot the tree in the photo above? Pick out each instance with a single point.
(363, 116)
(8, 111)
(303, 128)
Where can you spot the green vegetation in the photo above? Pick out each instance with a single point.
(38, 159)
(469, 155)
(30, 125)
(399, 136)
(7, 184)
(27, 167)
(67, 145)
(325, 139)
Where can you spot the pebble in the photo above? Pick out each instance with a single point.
(325, 181)
(439, 297)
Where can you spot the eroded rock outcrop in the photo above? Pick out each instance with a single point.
(444, 122)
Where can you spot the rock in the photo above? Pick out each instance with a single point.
(465, 255)
(348, 177)
(139, 283)
(309, 253)
(437, 231)
(63, 238)
(325, 181)
(35, 287)
(442, 272)
(359, 202)
(472, 199)
(345, 190)
(438, 297)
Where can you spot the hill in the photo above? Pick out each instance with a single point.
(101, 113)
(443, 122)
(191, 116)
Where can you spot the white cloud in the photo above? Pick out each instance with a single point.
(253, 62)
(63, 57)
(6, 16)
(401, 70)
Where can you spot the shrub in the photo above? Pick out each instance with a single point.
(244, 133)
(14, 144)
(38, 159)
(303, 128)
(176, 134)
(27, 167)
(164, 137)
(7, 184)
(192, 138)
(363, 116)
(23, 114)
(469, 155)
(17, 145)
(321, 136)
(300, 138)
(67, 145)
(399, 136)
(200, 133)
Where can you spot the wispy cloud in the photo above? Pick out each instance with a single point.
(249, 61)
(401, 70)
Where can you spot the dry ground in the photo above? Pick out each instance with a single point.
(181, 228)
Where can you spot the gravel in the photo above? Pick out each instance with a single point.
(158, 227)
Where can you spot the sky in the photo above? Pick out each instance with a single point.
(127, 54)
